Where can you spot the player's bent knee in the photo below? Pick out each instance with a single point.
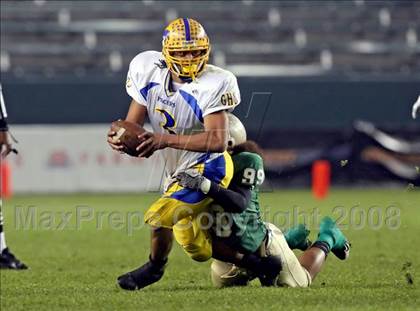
(292, 273)
(198, 253)
(298, 278)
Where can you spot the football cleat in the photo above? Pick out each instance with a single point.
(146, 275)
(343, 252)
(185, 35)
(9, 261)
(240, 276)
(340, 245)
(297, 237)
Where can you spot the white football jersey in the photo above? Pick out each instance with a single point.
(179, 112)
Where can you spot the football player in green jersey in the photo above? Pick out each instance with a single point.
(240, 238)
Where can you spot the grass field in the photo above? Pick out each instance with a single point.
(74, 265)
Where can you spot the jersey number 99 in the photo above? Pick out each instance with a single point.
(253, 177)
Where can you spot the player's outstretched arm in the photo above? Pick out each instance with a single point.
(233, 200)
(213, 139)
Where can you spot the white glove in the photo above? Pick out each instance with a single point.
(416, 107)
(194, 181)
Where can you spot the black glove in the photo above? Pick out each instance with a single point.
(195, 182)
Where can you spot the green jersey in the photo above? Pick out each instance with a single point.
(244, 230)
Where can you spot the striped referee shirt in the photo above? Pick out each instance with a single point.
(3, 113)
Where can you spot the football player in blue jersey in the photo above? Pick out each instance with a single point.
(186, 101)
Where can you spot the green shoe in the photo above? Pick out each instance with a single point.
(332, 235)
(297, 237)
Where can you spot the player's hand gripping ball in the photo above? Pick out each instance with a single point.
(123, 136)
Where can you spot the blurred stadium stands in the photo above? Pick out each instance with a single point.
(252, 38)
(307, 71)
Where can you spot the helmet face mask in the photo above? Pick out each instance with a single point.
(187, 67)
(185, 35)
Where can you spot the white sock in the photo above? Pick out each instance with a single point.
(2, 242)
(2, 236)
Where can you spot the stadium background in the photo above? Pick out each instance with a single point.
(309, 68)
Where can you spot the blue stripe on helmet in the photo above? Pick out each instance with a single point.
(187, 29)
(165, 33)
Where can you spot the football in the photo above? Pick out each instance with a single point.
(127, 132)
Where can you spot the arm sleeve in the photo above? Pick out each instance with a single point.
(233, 200)
(3, 113)
(132, 84)
(226, 97)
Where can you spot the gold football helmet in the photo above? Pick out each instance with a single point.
(186, 35)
